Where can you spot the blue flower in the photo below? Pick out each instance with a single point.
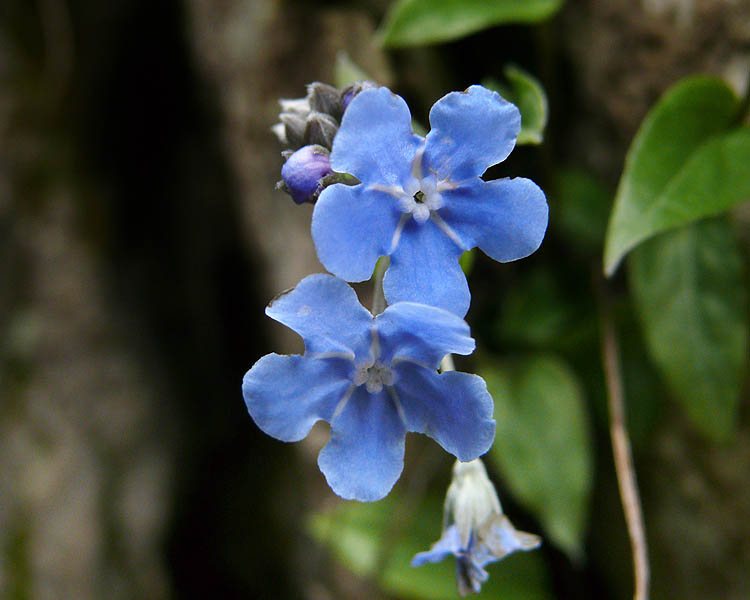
(422, 201)
(476, 531)
(373, 379)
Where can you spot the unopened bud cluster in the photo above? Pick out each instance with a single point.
(307, 127)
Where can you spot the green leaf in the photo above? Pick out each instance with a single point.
(415, 22)
(365, 538)
(346, 71)
(528, 95)
(581, 205)
(543, 446)
(352, 531)
(689, 290)
(645, 391)
(535, 310)
(684, 164)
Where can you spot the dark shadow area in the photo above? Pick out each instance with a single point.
(149, 132)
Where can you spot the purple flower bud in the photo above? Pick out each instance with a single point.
(348, 93)
(303, 171)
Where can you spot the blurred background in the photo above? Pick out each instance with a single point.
(141, 238)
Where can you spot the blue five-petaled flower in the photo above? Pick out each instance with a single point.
(373, 379)
(422, 201)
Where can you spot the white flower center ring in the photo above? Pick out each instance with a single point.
(374, 375)
(421, 198)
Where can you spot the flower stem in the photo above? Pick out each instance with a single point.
(378, 298)
(335, 177)
(621, 449)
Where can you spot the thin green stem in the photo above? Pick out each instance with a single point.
(378, 297)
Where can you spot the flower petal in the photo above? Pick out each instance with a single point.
(449, 543)
(424, 268)
(471, 131)
(352, 227)
(452, 408)
(469, 575)
(286, 395)
(500, 538)
(375, 142)
(423, 333)
(506, 218)
(365, 455)
(325, 311)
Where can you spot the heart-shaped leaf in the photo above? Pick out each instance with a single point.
(685, 163)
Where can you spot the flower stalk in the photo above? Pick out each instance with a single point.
(378, 297)
(623, 455)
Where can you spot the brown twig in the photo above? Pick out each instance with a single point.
(631, 502)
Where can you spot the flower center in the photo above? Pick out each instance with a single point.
(421, 195)
(420, 198)
(374, 375)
